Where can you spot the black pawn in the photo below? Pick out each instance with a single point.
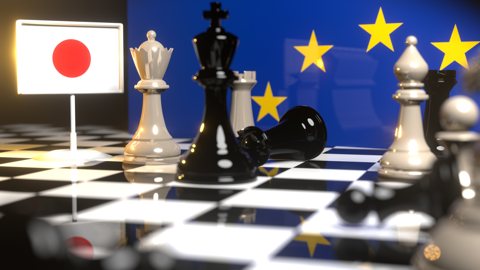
(300, 135)
(438, 84)
(432, 195)
(215, 156)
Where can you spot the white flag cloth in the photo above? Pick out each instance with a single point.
(56, 57)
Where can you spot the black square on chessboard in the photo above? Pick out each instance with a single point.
(24, 185)
(339, 165)
(17, 171)
(198, 194)
(304, 184)
(4, 160)
(369, 176)
(254, 216)
(348, 249)
(45, 206)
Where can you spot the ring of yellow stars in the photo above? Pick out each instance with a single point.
(313, 53)
(268, 103)
(380, 31)
(455, 49)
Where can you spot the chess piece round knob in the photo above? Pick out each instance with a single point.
(458, 113)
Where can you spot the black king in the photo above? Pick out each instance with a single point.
(215, 156)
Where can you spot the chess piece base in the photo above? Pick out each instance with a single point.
(151, 85)
(151, 152)
(152, 141)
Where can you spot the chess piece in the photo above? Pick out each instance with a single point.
(432, 195)
(409, 157)
(438, 85)
(452, 175)
(241, 115)
(152, 142)
(215, 156)
(300, 135)
(456, 238)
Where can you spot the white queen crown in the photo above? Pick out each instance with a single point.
(151, 60)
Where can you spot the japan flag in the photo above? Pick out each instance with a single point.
(58, 57)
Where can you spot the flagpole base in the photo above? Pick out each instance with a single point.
(80, 157)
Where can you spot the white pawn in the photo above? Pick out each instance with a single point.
(152, 142)
(241, 115)
(409, 157)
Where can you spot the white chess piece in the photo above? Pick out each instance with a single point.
(152, 142)
(241, 115)
(409, 157)
(455, 239)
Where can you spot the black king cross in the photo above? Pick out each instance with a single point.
(215, 14)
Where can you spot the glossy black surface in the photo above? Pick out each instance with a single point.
(438, 85)
(215, 156)
(300, 135)
(432, 195)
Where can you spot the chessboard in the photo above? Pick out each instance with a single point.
(285, 219)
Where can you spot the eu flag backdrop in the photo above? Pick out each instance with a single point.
(355, 44)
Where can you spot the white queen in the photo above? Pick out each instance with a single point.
(152, 142)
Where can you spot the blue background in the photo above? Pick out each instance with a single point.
(353, 96)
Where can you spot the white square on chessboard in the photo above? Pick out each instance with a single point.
(328, 223)
(375, 167)
(321, 174)
(147, 211)
(7, 197)
(348, 158)
(281, 199)
(258, 181)
(3, 178)
(11, 147)
(78, 175)
(306, 264)
(101, 190)
(104, 131)
(32, 163)
(213, 242)
(22, 154)
(88, 143)
(114, 150)
(11, 140)
(282, 164)
(67, 138)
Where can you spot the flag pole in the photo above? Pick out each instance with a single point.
(73, 133)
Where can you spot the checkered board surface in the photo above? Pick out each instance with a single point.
(285, 219)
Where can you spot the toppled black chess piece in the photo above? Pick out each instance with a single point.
(432, 195)
(300, 135)
(215, 156)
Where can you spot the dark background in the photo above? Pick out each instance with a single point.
(101, 109)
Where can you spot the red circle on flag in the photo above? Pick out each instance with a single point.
(80, 246)
(71, 58)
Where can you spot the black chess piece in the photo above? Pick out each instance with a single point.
(215, 156)
(432, 195)
(300, 135)
(438, 84)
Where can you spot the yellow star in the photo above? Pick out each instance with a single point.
(268, 103)
(312, 240)
(455, 49)
(270, 173)
(380, 31)
(313, 53)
